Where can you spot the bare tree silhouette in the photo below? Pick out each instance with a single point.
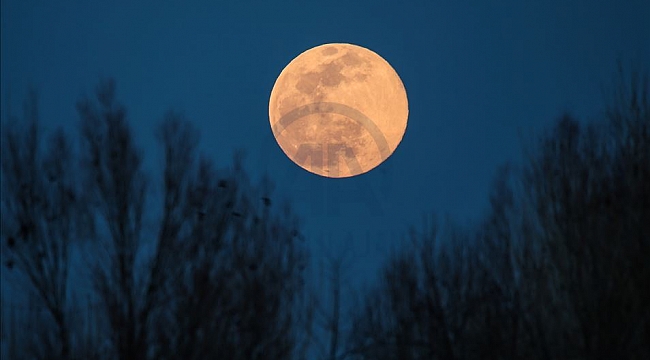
(558, 267)
(223, 275)
(42, 214)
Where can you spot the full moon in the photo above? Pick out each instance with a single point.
(338, 110)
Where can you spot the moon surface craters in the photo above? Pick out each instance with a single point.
(332, 141)
(345, 67)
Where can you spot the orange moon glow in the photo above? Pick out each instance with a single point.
(338, 110)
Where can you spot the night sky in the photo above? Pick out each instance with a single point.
(480, 80)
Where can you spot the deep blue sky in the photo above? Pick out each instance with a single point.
(477, 76)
